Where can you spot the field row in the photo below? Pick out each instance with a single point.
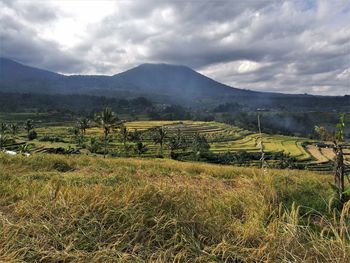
(222, 138)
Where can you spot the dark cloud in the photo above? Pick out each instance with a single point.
(289, 46)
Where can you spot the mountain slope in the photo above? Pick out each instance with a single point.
(162, 81)
(15, 77)
(11, 70)
(180, 81)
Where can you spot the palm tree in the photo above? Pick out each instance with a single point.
(159, 135)
(124, 133)
(200, 145)
(24, 148)
(77, 135)
(106, 119)
(140, 148)
(28, 126)
(14, 128)
(3, 128)
(83, 125)
(176, 142)
(3, 140)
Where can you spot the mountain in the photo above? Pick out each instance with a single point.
(161, 83)
(158, 81)
(12, 70)
(179, 81)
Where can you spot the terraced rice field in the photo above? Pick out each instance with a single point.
(227, 138)
(317, 154)
(221, 137)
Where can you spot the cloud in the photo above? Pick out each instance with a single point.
(291, 46)
(20, 37)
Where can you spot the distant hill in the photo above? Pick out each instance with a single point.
(170, 82)
(178, 81)
(162, 83)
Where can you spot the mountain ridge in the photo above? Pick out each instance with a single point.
(163, 83)
(177, 83)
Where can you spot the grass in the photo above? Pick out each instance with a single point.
(89, 209)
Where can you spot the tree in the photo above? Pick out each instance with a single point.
(32, 135)
(107, 120)
(83, 124)
(140, 148)
(3, 140)
(3, 128)
(95, 145)
(176, 142)
(124, 134)
(14, 129)
(200, 145)
(77, 134)
(28, 126)
(135, 136)
(158, 136)
(337, 138)
(24, 148)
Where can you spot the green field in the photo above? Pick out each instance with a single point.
(222, 138)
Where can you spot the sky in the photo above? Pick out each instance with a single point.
(296, 46)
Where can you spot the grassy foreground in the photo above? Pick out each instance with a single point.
(85, 209)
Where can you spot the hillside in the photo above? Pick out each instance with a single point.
(161, 83)
(78, 209)
(179, 81)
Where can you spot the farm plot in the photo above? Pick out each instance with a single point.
(221, 137)
(317, 154)
(271, 144)
(227, 138)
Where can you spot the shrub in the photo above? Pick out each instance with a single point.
(47, 138)
(32, 135)
(62, 166)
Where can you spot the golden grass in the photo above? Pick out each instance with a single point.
(85, 209)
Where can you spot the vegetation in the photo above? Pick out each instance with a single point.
(337, 139)
(60, 201)
(107, 121)
(227, 144)
(78, 209)
(158, 135)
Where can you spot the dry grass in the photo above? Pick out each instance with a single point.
(85, 209)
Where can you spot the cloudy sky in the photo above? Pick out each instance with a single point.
(291, 46)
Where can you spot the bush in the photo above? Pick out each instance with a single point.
(47, 138)
(32, 135)
(62, 166)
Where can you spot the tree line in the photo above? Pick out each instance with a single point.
(113, 129)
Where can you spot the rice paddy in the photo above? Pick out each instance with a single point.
(222, 138)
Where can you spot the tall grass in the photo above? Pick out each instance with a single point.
(85, 209)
